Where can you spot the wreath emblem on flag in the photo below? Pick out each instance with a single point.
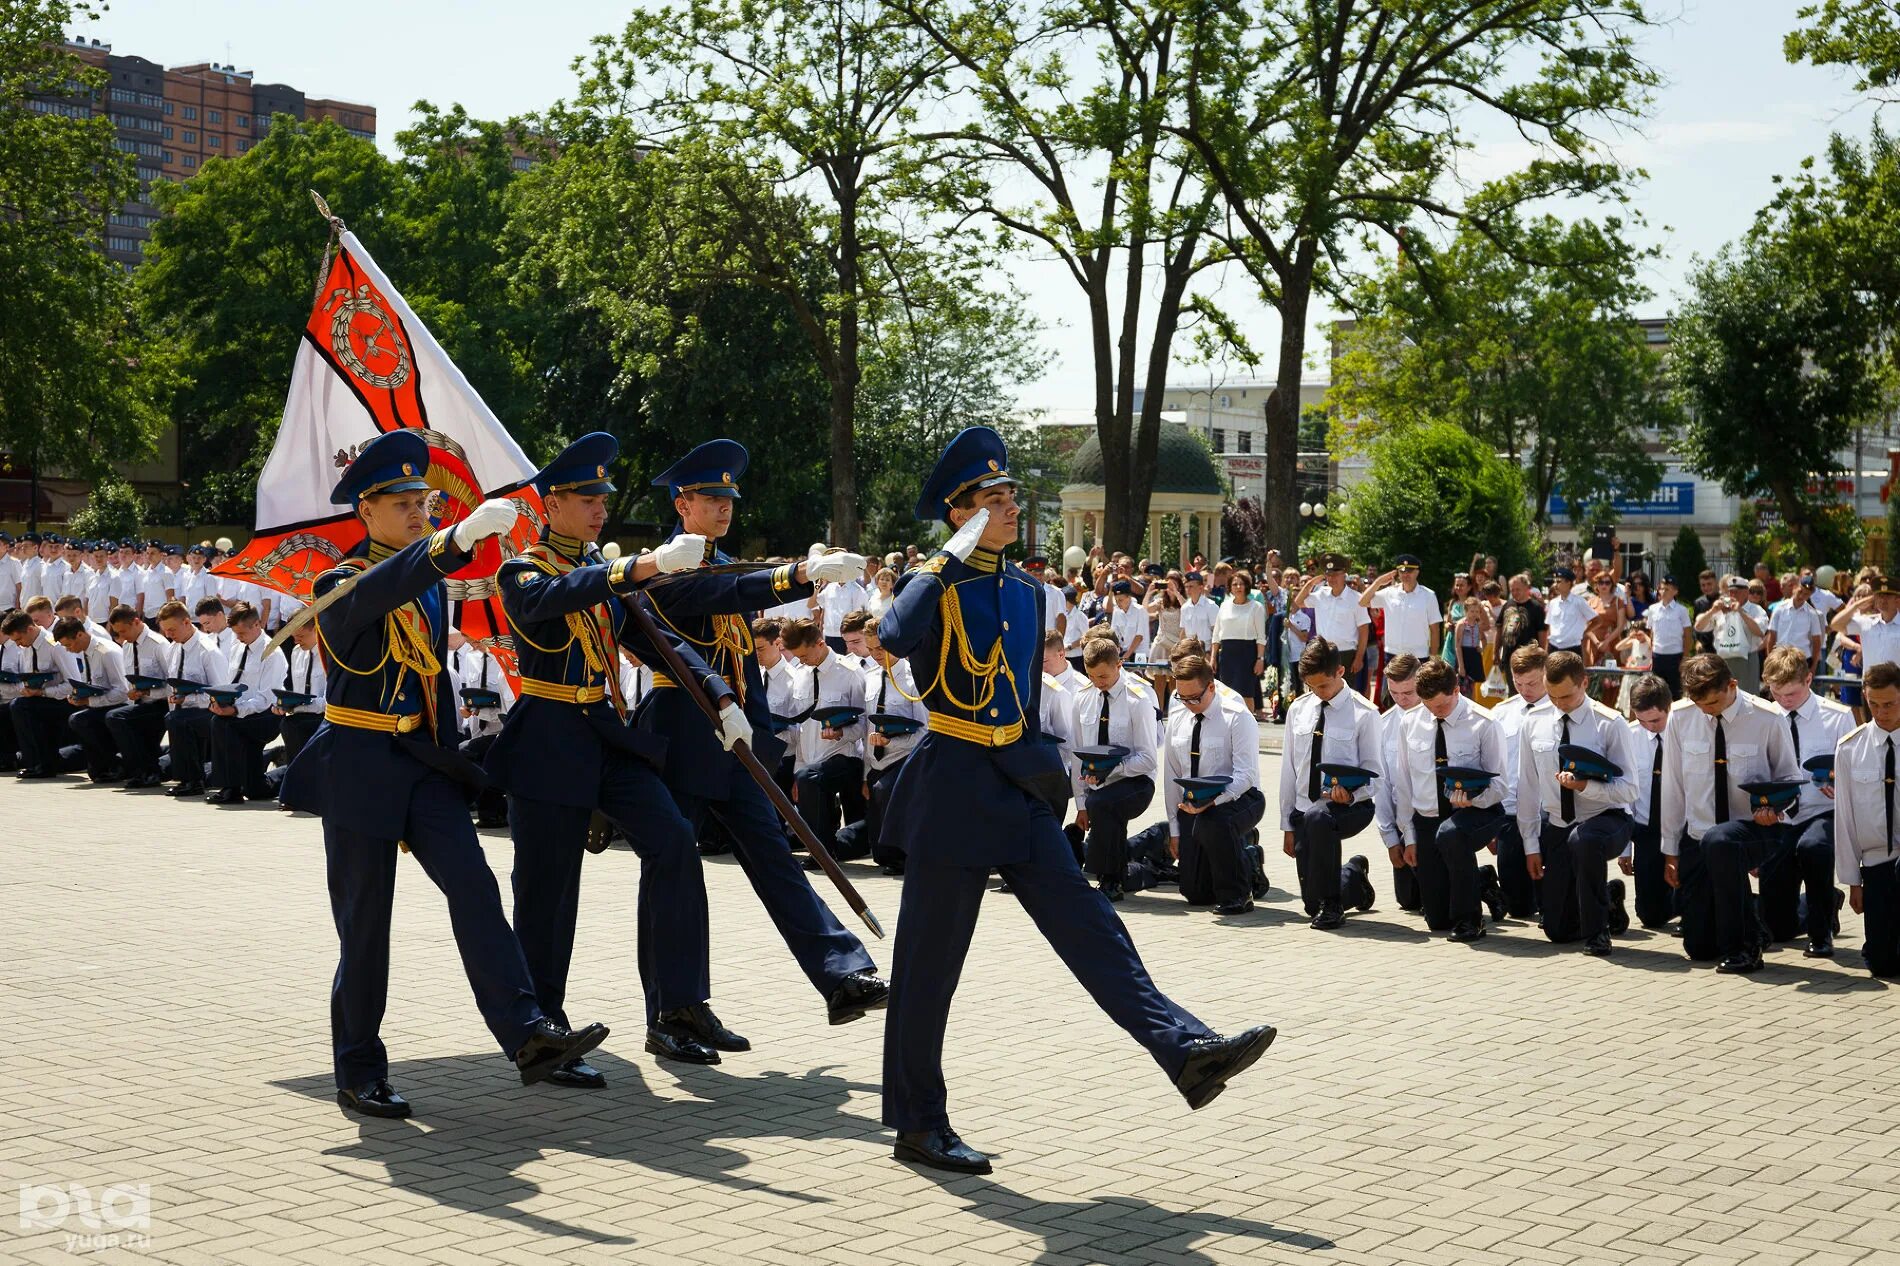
(365, 341)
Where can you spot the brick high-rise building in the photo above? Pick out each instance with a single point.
(176, 120)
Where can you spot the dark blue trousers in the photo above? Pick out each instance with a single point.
(40, 727)
(190, 733)
(1809, 864)
(136, 729)
(1655, 899)
(362, 877)
(89, 730)
(1448, 864)
(1111, 808)
(1521, 892)
(830, 794)
(1880, 899)
(826, 952)
(1729, 852)
(1695, 902)
(1577, 874)
(237, 751)
(1214, 868)
(934, 924)
(550, 843)
(1317, 833)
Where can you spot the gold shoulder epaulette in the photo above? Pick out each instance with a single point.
(931, 566)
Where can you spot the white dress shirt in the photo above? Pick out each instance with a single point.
(891, 693)
(1821, 724)
(1471, 739)
(1385, 790)
(472, 668)
(43, 655)
(1668, 621)
(1351, 736)
(99, 595)
(1057, 710)
(636, 681)
(1197, 618)
(159, 585)
(1053, 605)
(31, 571)
(1338, 617)
(1863, 836)
(1510, 718)
(303, 674)
(9, 581)
(839, 599)
(53, 573)
(781, 687)
(149, 655)
(1078, 624)
(1755, 737)
(199, 659)
(1797, 626)
(1130, 627)
(258, 673)
(1131, 724)
(1646, 746)
(1539, 797)
(1229, 746)
(102, 665)
(836, 682)
(1879, 644)
(1567, 617)
(1408, 619)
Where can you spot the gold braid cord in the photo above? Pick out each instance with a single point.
(727, 649)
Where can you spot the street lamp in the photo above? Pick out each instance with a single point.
(1312, 509)
(1319, 509)
(1306, 509)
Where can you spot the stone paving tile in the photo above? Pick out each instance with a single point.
(1494, 1105)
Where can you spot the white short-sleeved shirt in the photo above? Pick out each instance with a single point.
(1795, 626)
(1408, 619)
(1338, 617)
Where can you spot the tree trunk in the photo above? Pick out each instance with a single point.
(1111, 425)
(1794, 513)
(1148, 434)
(845, 523)
(1281, 509)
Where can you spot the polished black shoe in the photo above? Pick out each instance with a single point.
(1619, 915)
(225, 795)
(897, 868)
(1329, 917)
(579, 1074)
(185, 790)
(260, 793)
(143, 781)
(32, 771)
(1363, 896)
(107, 776)
(1491, 892)
(699, 1023)
(1112, 889)
(1214, 1061)
(1839, 897)
(671, 1042)
(1819, 947)
(549, 1046)
(375, 1099)
(1468, 930)
(1741, 964)
(1598, 946)
(1257, 882)
(940, 1149)
(856, 995)
(1244, 906)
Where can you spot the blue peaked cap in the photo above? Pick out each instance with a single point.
(975, 458)
(712, 468)
(581, 467)
(394, 461)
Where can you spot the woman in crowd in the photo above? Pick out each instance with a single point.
(1240, 639)
(1640, 595)
(881, 586)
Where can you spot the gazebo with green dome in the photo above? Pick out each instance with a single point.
(1186, 485)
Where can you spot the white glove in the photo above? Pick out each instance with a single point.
(490, 518)
(968, 535)
(682, 553)
(822, 568)
(733, 727)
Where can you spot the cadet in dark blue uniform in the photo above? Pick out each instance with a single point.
(976, 794)
(382, 770)
(566, 750)
(713, 613)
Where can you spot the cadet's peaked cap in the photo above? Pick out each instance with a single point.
(1202, 790)
(1465, 778)
(394, 461)
(1351, 777)
(975, 458)
(1100, 760)
(581, 468)
(1586, 762)
(1778, 794)
(1336, 562)
(713, 468)
(1820, 768)
(1881, 584)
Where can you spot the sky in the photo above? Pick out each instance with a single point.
(1731, 113)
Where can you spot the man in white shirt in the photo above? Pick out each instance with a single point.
(1650, 704)
(1567, 612)
(829, 768)
(1337, 616)
(1412, 618)
(889, 691)
(472, 669)
(1574, 826)
(1401, 679)
(32, 568)
(1718, 739)
(1074, 625)
(137, 725)
(99, 582)
(834, 602)
(1865, 770)
(159, 581)
(1735, 626)
(296, 722)
(1127, 619)
(780, 673)
(1199, 611)
(39, 713)
(240, 730)
(1671, 632)
(1796, 623)
(197, 660)
(98, 688)
(1805, 859)
(1444, 825)
(1117, 710)
(1054, 609)
(1526, 671)
(1880, 640)
(1212, 734)
(1330, 724)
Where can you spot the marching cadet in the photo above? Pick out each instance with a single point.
(1713, 832)
(241, 728)
(829, 770)
(484, 696)
(1447, 800)
(1650, 703)
(713, 615)
(299, 697)
(197, 663)
(1806, 860)
(41, 710)
(1212, 736)
(1115, 711)
(1528, 691)
(1329, 724)
(894, 727)
(976, 794)
(566, 752)
(1573, 815)
(1864, 828)
(382, 769)
(98, 688)
(1401, 682)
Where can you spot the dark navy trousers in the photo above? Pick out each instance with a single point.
(1111, 808)
(934, 924)
(1809, 864)
(1522, 894)
(1655, 899)
(1729, 852)
(1213, 864)
(136, 729)
(1577, 873)
(1317, 833)
(1448, 864)
(362, 878)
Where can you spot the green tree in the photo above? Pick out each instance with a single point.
(1687, 561)
(1862, 34)
(1546, 363)
(76, 392)
(1746, 540)
(113, 511)
(1438, 492)
(1328, 127)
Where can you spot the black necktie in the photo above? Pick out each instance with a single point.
(85, 667)
(1566, 798)
(1721, 773)
(287, 671)
(1889, 791)
(243, 657)
(309, 668)
(1441, 757)
(883, 681)
(1319, 746)
(36, 657)
(135, 660)
(1194, 747)
(1794, 735)
(1655, 788)
(484, 672)
(181, 661)
(1101, 723)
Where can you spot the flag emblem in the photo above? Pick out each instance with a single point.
(365, 340)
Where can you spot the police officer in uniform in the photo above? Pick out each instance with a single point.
(976, 795)
(382, 771)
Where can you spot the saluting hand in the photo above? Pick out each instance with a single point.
(968, 536)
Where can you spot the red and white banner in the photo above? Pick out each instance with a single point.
(367, 365)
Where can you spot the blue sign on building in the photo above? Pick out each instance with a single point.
(1672, 497)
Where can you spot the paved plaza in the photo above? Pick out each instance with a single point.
(168, 970)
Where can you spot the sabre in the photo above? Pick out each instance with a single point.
(310, 611)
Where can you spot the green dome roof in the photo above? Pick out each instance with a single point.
(1182, 465)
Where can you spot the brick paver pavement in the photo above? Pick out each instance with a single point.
(167, 973)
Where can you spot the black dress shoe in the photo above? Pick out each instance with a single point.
(261, 792)
(857, 995)
(1467, 930)
(143, 781)
(1362, 894)
(1243, 906)
(1819, 947)
(1214, 1061)
(940, 1149)
(579, 1074)
(1491, 892)
(699, 1023)
(1619, 915)
(674, 1043)
(32, 771)
(1743, 964)
(549, 1046)
(185, 790)
(896, 868)
(1112, 889)
(107, 776)
(1329, 916)
(225, 795)
(374, 1099)
(1598, 946)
